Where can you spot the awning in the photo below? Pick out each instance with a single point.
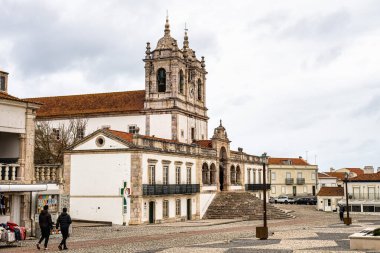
(23, 187)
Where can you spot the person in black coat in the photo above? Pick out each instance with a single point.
(341, 212)
(46, 225)
(64, 220)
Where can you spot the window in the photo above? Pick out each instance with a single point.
(165, 175)
(192, 133)
(288, 175)
(259, 177)
(283, 189)
(2, 83)
(80, 132)
(133, 129)
(199, 89)
(56, 134)
(213, 174)
(323, 185)
(181, 82)
(254, 177)
(299, 174)
(178, 175)
(165, 209)
(313, 176)
(161, 80)
(249, 176)
(100, 141)
(188, 175)
(238, 175)
(178, 207)
(305, 189)
(233, 175)
(273, 176)
(205, 174)
(182, 133)
(152, 174)
(273, 189)
(370, 209)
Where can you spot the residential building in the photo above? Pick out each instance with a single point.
(292, 176)
(17, 129)
(325, 180)
(329, 197)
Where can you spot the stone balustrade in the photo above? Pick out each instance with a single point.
(48, 173)
(9, 172)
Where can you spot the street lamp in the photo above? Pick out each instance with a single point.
(347, 220)
(262, 232)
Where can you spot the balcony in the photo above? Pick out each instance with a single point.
(257, 187)
(167, 189)
(300, 181)
(9, 172)
(289, 181)
(48, 174)
(364, 196)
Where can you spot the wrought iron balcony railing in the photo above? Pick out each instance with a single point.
(289, 181)
(167, 189)
(257, 187)
(300, 181)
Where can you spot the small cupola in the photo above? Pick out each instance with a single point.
(3, 81)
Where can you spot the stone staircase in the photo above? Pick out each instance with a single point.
(233, 205)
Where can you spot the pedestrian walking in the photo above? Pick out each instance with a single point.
(341, 212)
(64, 221)
(46, 226)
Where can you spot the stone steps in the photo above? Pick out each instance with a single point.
(234, 205)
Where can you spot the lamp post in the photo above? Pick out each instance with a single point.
(262, 232)
(347, 220)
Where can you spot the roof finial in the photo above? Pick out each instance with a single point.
(186, 38)
(167, 26)
(220, 122)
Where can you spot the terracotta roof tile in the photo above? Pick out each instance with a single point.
(358, 171)
(339, 175)
(324, 175)
(4, 95)
(204, 143)
(282, 161)
(373, 177)
(123, 135)
(331, 191)
(87, 104)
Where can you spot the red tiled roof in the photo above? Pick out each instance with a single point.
(331, 191)
(204, 143)
(75, 105)
(373, 177)
(358, 171)
(339, 175)
(4, 95)
(324, 175)
(122, 135)
(282, 161)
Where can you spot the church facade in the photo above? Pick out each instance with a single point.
(146, 156)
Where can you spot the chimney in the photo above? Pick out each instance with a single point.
(368, 170)
(378, 169)
(332, 169)
(106, 127)
(240, 150)
(300, 157)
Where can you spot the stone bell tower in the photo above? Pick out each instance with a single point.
(175, 84)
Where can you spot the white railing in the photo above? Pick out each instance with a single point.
(48, 173)
(9, 172)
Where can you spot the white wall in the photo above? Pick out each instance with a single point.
(328, 182)
(108, 144)
(12, 118)
(96, 180)
(186, 123)
(161, 126)
(119, 123)
(172, 168)
(205, 200)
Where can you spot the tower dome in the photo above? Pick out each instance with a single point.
(167, 42)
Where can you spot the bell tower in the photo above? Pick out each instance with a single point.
(175, 84)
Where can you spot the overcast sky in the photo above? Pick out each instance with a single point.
(286, 77)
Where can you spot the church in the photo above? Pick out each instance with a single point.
(145, 155)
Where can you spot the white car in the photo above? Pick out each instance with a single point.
(284, 200)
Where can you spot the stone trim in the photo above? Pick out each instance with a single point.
(178, 163)
(167, 162)
(152, 161)
(189, 164)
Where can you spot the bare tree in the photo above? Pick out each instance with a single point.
(51, 142)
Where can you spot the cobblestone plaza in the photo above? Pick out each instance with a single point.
(309, 231)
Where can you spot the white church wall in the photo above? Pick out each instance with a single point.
(119, 123)
(108, 144)
(12, 118)
(205, 200)
(96, 180)
(186, 123)
(161, 125)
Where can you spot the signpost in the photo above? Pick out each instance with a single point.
(125, 192)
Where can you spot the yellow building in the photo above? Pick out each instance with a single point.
(292, 176)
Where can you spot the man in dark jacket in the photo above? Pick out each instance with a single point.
(46, 225)
(64, 220)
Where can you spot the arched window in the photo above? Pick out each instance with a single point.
(238, 175)
(161, 80)
(199, 89)
(181, 82)
(233, 175)
(205, 174)
(212, 174)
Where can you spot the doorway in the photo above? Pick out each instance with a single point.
(313, 190)
(152, 207)
(188, 209)
(221, 178)
(327, 205)
(294, 190)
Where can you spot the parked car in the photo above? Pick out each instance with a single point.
(306, 201)
(284, 200)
